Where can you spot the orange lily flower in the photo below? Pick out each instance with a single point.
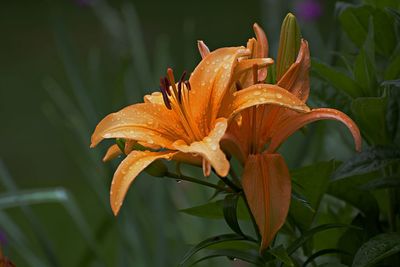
(187, 119)
(256, 135)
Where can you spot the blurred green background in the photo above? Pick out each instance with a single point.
(65, 65)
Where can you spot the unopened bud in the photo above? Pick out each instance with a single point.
(289, 45)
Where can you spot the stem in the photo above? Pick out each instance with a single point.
(253, 220)
(234, 176)
(392, 201)
(194, 180)
(229, 183)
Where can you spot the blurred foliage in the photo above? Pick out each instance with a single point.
(342, 214)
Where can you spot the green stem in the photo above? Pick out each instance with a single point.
(229, 183)
(253, 220)
(234, 176)
(194, 180)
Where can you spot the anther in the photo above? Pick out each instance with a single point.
(170, 76)
(188, 86)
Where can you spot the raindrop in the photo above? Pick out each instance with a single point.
(178, 181)
(278, 95)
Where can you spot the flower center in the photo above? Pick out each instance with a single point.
(176, 98)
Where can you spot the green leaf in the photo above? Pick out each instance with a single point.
(322, 253)
(313, 182)
(229, 211)
(377, 249)
(337, 79)
(392, 70)
(382, 183)
(281, 254)
(310, 233)
(355, 19)
(364, 66)
(370, 114)
(208, 242)
(250, 256)
(369, 160)
(214, 210)
(383, 3)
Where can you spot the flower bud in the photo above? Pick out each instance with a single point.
(289, 44)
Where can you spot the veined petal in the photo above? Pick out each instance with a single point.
(259, 94)
(112, 152)
(296, 79)
(247, 64)
(128, 170)
(209, 148)
(262, 41)
(146, 122)
(203, 49)
(210, 82)
(297, 121)
(266, 184)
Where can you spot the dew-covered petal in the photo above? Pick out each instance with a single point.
(112, 152)
(262, 49)
(145, 122)
(260, 94)
(209, 148)
(297, 79)
(297, 121)
(128, 170)
(209, 83)
(266, 184)
(247, 64)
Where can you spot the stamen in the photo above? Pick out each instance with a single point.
(255, 73)
(165, 97)
(179, 92)
(166, 85)
(238, 86)
(183, 76)
(171, 79)
(188, 86)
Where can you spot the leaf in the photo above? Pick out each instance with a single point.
(392, 70)
(208, 242)
(364, 66)
(280, 253)
(347, 189)
(229, 211)
(381, 183)
(214, 210)
(376, 249)
(369, 160)
(382, 3)
(355, 19)
(313, 181)
(321, 253)
(370, 115)
(339, 80)
(310, 233)
(250, 256)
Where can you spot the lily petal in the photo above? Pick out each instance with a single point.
(295, 122)
(266, 184)
(209, 148)
(112, 152)
(146, 122)
(262, 49)
(297, 79)
(264, 94)
(128, 170)
(210, 82)
(155, 98)
(203, 49)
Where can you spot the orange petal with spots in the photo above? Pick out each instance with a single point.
(128, 170)
(267, 186)
(209, 148)
(295, 122)
(146, 122)
(260, 94)
(112, 152)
